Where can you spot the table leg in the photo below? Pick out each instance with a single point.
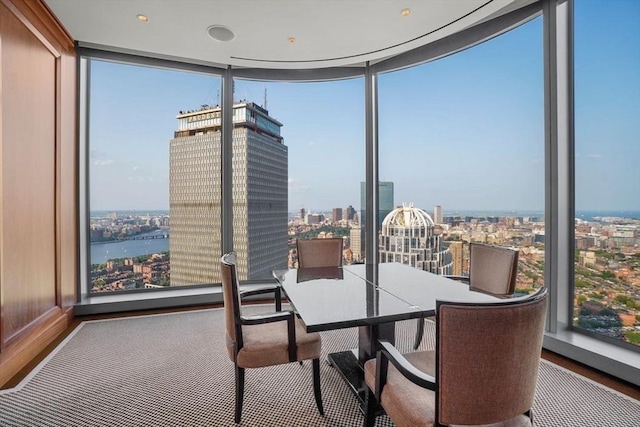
(350, 366)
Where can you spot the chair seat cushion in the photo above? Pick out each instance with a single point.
(267, 345)
(408, 404)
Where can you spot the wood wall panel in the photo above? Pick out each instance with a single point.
(67, 179)
(28, 178)
(38, 182)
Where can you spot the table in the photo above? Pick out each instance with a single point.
(370, 296)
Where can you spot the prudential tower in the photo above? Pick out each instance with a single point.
(260, 175)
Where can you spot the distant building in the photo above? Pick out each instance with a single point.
(457, 257)
(385, 201)
(348, 256)
(349, 213)
(437, 214)
(314, 218)
(587, 259)
(355, 244)
(302, 213)
(385, 205)
(407, 236)
(337, 214)
(260, 198)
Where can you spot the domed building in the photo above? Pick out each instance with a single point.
(407, 237)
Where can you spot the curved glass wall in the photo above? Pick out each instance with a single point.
(607, 178)
(461, 139)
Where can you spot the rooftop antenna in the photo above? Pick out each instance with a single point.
(218, 98)
(265, 98)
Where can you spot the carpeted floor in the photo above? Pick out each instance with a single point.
(173, 370)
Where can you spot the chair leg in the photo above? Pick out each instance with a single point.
(419, 334)
(316, 385)
(370, 409)
(239, 392)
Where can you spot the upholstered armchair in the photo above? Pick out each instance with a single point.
(264, 340)
(492, 269)
(314, 253)
(483, 370)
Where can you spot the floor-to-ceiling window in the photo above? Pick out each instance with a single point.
(607, 174)
(153, 164)
(298, 161)
(461, 139)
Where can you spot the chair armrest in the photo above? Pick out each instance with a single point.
(277, 291)
(458, 278)
(279, 316)
(388, 353)
(259, 319)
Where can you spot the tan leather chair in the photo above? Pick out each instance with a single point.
(264, 340)
(492, 269)
(313, 253)
(483, 370)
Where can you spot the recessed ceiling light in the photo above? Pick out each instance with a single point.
(405, 12)
(291, 40)
(220, 33)
(142, 18)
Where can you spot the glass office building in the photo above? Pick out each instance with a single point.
(385, 201)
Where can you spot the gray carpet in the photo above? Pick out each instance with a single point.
(172, 370)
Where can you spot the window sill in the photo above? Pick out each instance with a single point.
(620, 362)
(117, 303)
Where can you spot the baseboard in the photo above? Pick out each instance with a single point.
(17, 355)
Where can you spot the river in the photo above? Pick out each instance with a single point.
(102, 252)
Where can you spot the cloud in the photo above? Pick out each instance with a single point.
(139, 179)
(589, 156)
(99, 158)
(294, 184)
(104, 162)
(135, 168)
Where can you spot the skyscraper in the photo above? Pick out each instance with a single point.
(349, 213)
(407, 236)
(385, 205)
(385, 200)
(337, 214)
(437, 214)
(260, 173)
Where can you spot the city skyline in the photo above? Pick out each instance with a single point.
(461, 134)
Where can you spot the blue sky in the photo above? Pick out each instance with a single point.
(465, 132)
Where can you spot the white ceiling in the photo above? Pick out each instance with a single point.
(328, 33)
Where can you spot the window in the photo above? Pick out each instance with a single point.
(154, 181)
(607, 177)
(299, 165)
(468, 161)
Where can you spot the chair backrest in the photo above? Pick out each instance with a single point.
(492, 269)
(319, 252)
(306, 274)
(231, 298)
(487, 358)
